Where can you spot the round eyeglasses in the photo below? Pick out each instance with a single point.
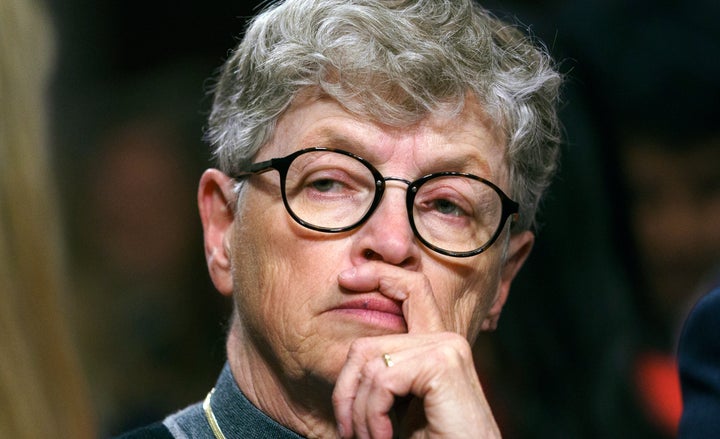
(331, 190)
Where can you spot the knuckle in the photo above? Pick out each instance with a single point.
(369, 373)
(454, 350)
(358, 347)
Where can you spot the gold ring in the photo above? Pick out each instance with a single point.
(388, 360)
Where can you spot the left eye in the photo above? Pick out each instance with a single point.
(447, 207)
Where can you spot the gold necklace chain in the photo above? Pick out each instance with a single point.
(207, 408)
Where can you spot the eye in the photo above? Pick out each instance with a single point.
(444, 199)
(331, 181)
(326, 185)
(447, 207)
(331, 185)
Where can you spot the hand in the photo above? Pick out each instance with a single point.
(430, 364)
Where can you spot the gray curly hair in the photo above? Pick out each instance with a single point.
(395, 61)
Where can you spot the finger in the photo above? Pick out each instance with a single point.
(442, 375)
(373, 403)
(420, 308)
(364, 392)
(343, 399)
(346, 387)
(436, 368)
(377, 407)
(376, 390)
(369, 277)
(383, 381)
(351, 388)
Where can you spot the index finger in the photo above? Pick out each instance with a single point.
(420, 309)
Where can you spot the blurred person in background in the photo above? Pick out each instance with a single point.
(129, 102)
(699, 364)
(128, 184)
(42, 389)
(662, 102)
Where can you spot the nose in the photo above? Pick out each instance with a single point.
(387, 236)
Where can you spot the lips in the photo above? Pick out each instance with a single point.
(373, 311)
(374, 304)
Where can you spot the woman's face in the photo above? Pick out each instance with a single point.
(290, 303)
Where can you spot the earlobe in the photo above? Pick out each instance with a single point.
(214, 200)
(517, 252)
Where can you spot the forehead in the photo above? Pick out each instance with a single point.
(465, 141)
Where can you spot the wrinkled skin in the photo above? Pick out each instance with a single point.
(316, 312)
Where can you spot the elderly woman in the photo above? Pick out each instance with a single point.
(379, 168)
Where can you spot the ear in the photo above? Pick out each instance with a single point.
(517, 252)
(215, 198)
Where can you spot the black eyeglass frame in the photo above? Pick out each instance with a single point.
(282, 165)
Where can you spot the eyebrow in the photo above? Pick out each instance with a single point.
(331, 138)
(328, 137)
(464, 163)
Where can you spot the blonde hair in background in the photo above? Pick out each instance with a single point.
(42, 391)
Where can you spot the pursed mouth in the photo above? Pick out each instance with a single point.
(375, 312)
(373, 304)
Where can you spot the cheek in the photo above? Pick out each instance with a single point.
(281, 277)
(467, 293)
(259, 267)
(252, 268)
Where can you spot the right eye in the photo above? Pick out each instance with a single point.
(324, 177)
(326, 185)
(328, 182)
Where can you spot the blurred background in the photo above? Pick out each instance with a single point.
(628, 237)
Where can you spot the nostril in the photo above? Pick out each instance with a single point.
(371, 255)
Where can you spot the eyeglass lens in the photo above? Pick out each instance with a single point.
(333, 191)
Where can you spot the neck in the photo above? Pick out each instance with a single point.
(303, 404)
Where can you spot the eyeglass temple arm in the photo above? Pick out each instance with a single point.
(256, 168)
(513, 209)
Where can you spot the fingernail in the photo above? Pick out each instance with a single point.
(340, 431)
(348, 274)
(401, 295)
